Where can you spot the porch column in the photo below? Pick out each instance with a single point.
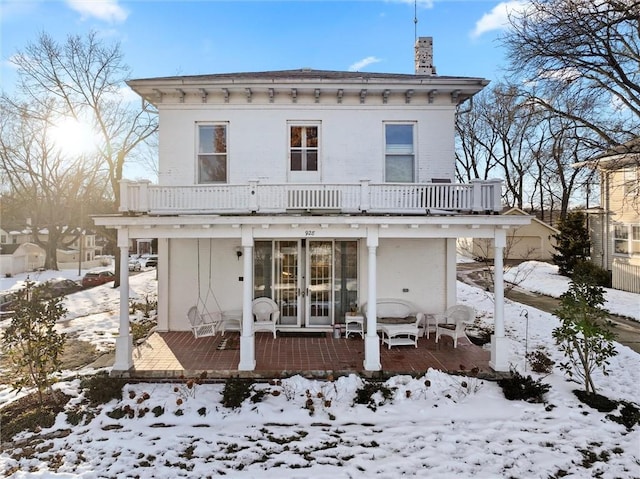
(371, 341)
(451, 272)
(162, 272)
(124, 344)
(247, 338)
(499, 344)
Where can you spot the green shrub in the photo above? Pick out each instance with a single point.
(572, 242)
(586, 343)
(518, 387)
(100, 388)
(364, 395)
(235, 391)
(31, 341)
(586, 271)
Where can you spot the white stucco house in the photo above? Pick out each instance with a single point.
(322, 190)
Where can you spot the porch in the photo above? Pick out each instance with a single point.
(168, 355)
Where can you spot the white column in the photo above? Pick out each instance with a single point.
(162, 271)
(247, 338)
(124, 344)
(371, 341)
(451, 271)
(499, 344)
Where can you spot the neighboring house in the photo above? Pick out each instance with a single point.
(83, 248)
(4, 237)
(614, 227)
(322, 190)
(534, 241)
(20, 258)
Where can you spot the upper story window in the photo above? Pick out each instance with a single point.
(626, 239)
(399, 152)
(212, 153)
(303, 147)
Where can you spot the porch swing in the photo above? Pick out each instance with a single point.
(203, 321)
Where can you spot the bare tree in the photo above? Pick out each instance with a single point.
(83, 77)
(44, 184)
(588, 50)
(494, 139)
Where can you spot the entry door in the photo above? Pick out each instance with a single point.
(319, 283)
(288, 281)
(313, 281)
(303, 286)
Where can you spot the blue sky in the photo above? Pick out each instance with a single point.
(171, 37)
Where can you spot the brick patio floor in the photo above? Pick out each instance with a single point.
(179, 354)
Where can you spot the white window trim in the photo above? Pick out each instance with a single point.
(412, 123)
(629, 240)
(304, 123)
(197, 151)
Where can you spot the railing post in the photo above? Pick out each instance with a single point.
(365, 195)
(476, 195)
(143, 200)
(253, 196)
(124, 196)
(496, 185)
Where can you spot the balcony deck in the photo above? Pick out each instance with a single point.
(479, 196)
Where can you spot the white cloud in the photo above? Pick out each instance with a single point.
(567, 75)
(107, 10)
(498, 18)
(365, 62)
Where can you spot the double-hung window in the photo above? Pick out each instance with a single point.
(303, 147)
(212, 153)
(626, 239)
(399, 152)
(620, 239)
(635, 240)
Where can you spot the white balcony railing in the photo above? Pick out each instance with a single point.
(479, 196)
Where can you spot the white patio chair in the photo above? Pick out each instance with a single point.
(266, 314)
(454, 321)
(202, 324)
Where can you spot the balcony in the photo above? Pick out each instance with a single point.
(479, 196)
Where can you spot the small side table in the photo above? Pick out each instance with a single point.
(353, 323)
(231, 321)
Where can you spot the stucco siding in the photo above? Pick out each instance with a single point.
(416, 265)
(257, 142)
(224, 288)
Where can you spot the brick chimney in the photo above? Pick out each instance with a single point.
(424, 56)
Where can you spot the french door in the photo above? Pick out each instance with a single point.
(314, 282)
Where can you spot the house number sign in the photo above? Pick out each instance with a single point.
(309, 233)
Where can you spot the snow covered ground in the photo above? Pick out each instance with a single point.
(544, 278)
(435, 426)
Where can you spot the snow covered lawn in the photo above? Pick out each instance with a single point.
(543, 278)
(435, 425)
